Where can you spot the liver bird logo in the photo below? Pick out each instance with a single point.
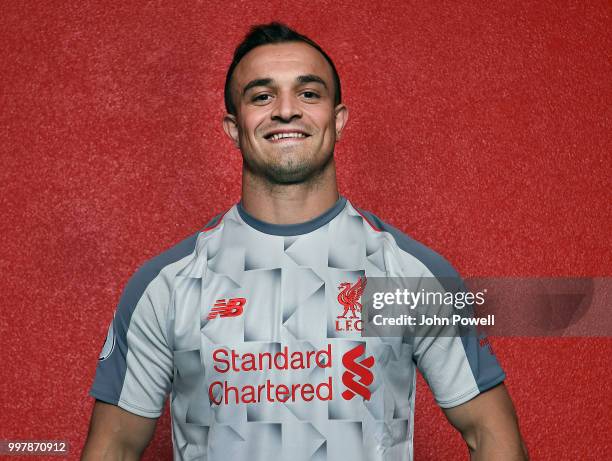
(350, 295)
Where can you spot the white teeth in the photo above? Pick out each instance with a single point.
(287, 135)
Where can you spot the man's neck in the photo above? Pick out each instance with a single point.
(291, 203)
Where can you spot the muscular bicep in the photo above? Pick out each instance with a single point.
(116, 434)
(488, 422)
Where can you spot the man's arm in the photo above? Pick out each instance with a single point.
(116, 434)
(489, 426)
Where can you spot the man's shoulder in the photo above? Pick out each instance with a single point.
(437, 264)
(163, 262)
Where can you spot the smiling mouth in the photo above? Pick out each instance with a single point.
(285, 137)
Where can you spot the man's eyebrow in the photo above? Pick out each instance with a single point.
(311, 78)
(256, 82)
(302, 79)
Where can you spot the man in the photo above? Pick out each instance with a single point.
(246, 323)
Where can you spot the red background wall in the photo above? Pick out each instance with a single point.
(481, 130)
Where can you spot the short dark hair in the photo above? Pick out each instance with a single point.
(265, 34)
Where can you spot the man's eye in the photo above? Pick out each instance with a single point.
(310, 95)
(261, 98)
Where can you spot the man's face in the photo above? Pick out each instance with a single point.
(286, 124)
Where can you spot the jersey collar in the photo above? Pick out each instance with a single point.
(292, 229)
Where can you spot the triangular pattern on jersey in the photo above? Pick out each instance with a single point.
(244, 326)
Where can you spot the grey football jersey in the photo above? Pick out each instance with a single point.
(245, 325)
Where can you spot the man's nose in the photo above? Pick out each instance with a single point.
(286, 107)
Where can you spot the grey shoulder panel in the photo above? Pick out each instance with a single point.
(436, 264)
(112, 363)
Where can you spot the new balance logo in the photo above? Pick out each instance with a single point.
(359, 370)
(232, 307)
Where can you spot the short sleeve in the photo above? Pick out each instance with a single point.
(457, 367)
(135, 366)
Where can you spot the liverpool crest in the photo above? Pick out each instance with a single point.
(349, 298)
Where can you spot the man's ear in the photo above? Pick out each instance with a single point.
(341, 112)
(230, 126)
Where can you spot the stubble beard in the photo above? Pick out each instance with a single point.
(281, 172)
